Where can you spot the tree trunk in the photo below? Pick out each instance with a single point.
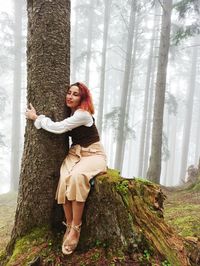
(188, 116)
(170, 180)
(156, 147)
(107, 4)
(121, 124)
(133, 212)
(151, 96)
(16, 111)
(48, 66)
(146, 100)
(197, 149)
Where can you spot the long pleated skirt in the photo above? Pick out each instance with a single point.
(78, 168)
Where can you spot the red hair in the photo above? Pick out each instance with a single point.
(86, 102)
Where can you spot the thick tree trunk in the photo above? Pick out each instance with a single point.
(48, 61)
(16, 111)
(156, 147)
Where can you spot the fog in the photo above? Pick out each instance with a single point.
(100, 31)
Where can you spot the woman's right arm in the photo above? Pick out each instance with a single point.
(79, 118)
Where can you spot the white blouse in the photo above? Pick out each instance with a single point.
(79, 118)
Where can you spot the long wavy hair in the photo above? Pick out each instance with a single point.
(86, 102)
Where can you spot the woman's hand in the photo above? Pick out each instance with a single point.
(31, 113)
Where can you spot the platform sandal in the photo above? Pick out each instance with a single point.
(68, 247)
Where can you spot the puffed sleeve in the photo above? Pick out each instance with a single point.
(79, 118)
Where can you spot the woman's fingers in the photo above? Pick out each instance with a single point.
(32, 108)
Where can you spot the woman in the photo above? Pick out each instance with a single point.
(86, 158)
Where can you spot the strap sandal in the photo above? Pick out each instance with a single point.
(68, 247)
(68, 228)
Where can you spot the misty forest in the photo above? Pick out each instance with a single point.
(141, 62)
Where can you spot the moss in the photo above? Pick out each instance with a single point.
(111, 176)
(3, 256)
(143, 180)
(184, 218)
(95, 256)
(24, 247)
(122, 187)
(196, 188)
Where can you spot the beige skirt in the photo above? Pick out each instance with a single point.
(80, 165)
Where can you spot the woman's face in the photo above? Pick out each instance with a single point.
(73, 97)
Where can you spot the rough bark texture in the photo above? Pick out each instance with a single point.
(156, 147)
(48, 61)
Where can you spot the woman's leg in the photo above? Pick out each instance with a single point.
(77, 209)
(68, 211)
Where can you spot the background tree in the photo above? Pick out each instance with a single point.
(48, 61)
(189, 111)
(148, 96)
(17, 87)
(154, 169)
(121, 131)
(107, 4)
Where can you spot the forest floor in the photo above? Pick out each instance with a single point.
(7, 213)
(181, 211)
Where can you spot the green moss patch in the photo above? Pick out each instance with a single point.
(28, 246)
(182, 211)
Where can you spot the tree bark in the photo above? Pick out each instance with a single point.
(156, 147)
(48, 66)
